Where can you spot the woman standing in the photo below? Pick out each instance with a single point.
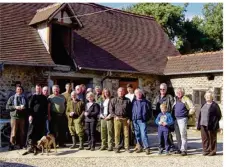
(107, 126)
(91, 116)
(208, 122)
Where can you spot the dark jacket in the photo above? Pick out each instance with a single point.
(168, 100)
(38, 107)
(214, 117)
(93, 111)
(121, 107)
(141, 110)
(16, 114)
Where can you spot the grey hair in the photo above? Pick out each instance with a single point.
(180, 89)
(97, 87)
(78, 86)
(90, 94)
(45, 87)
(164, 85)
(55, 86)
(209, 92)
(89, 90)
(121, 88)
(138, 90)
(73, 93)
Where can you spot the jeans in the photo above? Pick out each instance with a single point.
(47, 127)
(181, 133)
(163, 135)
(140, 129)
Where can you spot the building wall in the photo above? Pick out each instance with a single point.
(198, 82)
(192, 83)
(149, 83)
(26, 75)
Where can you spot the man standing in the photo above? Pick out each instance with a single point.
(98, 95)
(83, 89)
(141, 113)
(79, 94)
(67, 95)
(17, 106)
(17, 83)
(98, 100)
(75, 114)
(120, 109)
(130, 93)
(45, 92)
(164, 98)
(56, 112)
(38, 107)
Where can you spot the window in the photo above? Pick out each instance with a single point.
(217, 94)
(198, 97)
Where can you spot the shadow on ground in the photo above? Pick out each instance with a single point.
(67, 152)
(9, 164)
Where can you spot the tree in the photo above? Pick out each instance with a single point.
(197, 35)
(213, 22)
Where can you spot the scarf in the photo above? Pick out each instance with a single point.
(21, 101)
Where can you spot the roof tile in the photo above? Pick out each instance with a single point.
(195, 63)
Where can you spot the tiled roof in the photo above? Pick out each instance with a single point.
(44, 13)
(195, 63)
(112, 40)
(119, 40)
(20, 43)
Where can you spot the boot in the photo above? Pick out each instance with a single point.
(137, 147)
(139, 150)
(73, 143)
(81, 147)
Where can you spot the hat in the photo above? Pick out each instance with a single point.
(129, 86)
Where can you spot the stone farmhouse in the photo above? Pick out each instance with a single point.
(60, 43)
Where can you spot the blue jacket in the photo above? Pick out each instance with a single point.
(167, 119)
(141, 110)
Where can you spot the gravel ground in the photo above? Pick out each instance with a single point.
(172, 161)
(68, 158)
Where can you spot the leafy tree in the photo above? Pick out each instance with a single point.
(213, 22)
(197, 35)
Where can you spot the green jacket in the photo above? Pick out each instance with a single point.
(78, 108)
(16, 114)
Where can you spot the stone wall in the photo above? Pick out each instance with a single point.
(26, 75)
(198, 82)
(190, 83)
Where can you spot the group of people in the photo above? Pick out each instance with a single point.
(118, 116)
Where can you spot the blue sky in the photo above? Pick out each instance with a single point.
(192, 9)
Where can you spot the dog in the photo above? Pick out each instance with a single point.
(31, 148)
(47, 142)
